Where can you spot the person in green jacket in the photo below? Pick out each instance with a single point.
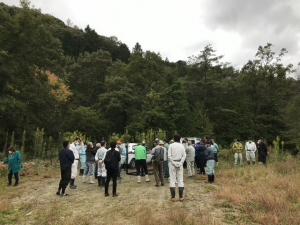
(14, 162)
(140, 162)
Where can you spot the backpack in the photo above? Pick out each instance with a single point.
(158, 154)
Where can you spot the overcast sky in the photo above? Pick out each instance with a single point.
(181, 28)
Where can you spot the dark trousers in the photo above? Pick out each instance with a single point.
(158, 171)
(111, 174)
(166, 169)
(201, 163)
(10, 175)
(65, 179)
(262, 158)
(141, 164)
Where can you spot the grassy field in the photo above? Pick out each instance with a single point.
(242, 195)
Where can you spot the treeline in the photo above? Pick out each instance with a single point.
(62, 78)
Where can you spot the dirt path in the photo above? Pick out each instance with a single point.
(35, 202)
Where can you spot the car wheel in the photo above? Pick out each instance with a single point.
(132, 164)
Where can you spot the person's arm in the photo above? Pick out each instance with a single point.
(96, 156)
(71, 157)
(183, 158)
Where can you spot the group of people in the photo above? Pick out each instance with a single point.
(167, 159)
(250, 149)
(99, 162)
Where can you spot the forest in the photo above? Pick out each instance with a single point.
(61, 78)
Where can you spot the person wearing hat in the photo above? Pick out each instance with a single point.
(90, 159)
(99, 157)
(176, 156)
(158, 162)
(140, 162)
(237, 148)
(190, 158)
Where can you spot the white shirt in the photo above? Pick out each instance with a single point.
(100, 155)
(75, 151)
(190, 153)
(250, 146)
(176, 153)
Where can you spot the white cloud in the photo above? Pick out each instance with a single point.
(181, 28)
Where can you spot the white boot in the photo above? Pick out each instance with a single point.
(139, 179)
(92, 180)
(83, 179)
(147, 178)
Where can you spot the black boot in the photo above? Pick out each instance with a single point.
(213, 178)
(181, 193)
(173, 193)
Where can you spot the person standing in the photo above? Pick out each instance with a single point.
(158, 162)
(262, 151)
(200, 156)
(237, 148)
(66, 159)
(82, 159)
(141, 163)
(210, 161)
(14, 162)
(90, 159)
(216, 151)
(166, 166)
(74, 148)
(111, 161)
(99, 157)
(190, 159)
(250, 148)
(176, 156)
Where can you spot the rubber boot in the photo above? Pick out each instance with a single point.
(181, 198)
(173, 193)
(139, 179)
(92, 180)
(209, 178)
(147, 178)
(213, 178)
(83, 179)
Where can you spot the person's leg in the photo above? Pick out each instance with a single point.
(172, 172)
(138, 170)
(95, 170)
(236, 158)
(166, 169)
(241, 158)
(115, 176)
(252, 156)
(9, 176)
(60, 182)
(155, 171)
(91, 172)
(144, 165)
(16, 175)
(107, 182)
(73, 174)
(179, 173)
(193, 168)
(248, 157)
(66, 176)
(189, 169)
(160, 172)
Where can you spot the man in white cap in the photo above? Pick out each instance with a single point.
(74, 169)
(176, 156)
(158, 162)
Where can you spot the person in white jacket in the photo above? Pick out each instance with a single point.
(250, 148)
(99, 157)
(176, 156)
(74, 147)
(190, 159)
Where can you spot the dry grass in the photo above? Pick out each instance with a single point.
(267, 195)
